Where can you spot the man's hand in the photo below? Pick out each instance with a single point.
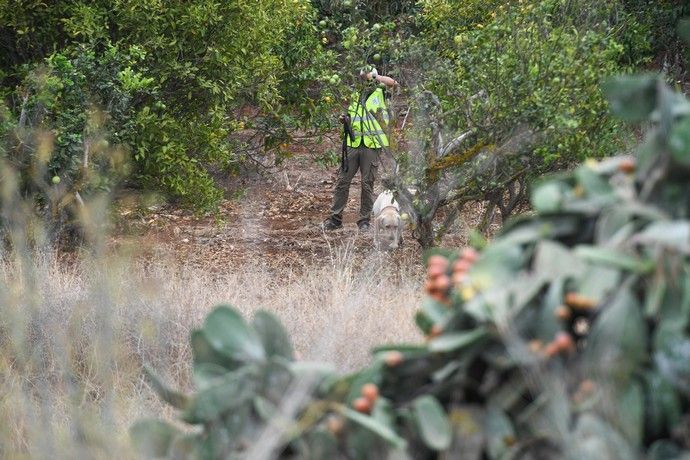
(388, 81)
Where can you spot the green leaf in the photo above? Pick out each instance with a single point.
(435, 311)
(618, 339)
(363, 444)
(549, 414)
(273, 336)
(229, 334)
(167, 394)
(595, 439)
(663, 449)
(679, 142)
(673, 361)
(599, 282)
(432, 423)
(320, 444)
(230, 392)
(655, 296)
(663, 409)
(547, 197)
(215, 442)
(478, 308)
(317, 369)
(383, 411)
(152, 438)
(668, 234)
(468, 436)
(498, 265)
(401, 347)
(684, 30)
(523, 292)
(614, 258)
(423, 322)
(631, 97)
(522, 230)
(476, 239)
(547, 325)
(264, 408)
(674, 312)
(203, 352)
(647, 152)
(499, 432)
(375, 426)
(186, 446)
(509, 393)
(205, 374)
(456, 340)
(235, 424)
(593, 184)
(631, 413)
(553, 260)
(614, 226)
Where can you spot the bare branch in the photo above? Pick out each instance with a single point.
(451, 146)
(405, 119)
(22, 115)
(85, 161)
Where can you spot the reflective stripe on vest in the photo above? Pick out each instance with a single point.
(365, 127)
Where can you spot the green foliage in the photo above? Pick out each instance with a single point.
(539, 64)
(167, 79)
(359, 34)
(329, 159)
(508, 92)
(566, 337)
(658, 21)
(64, 97)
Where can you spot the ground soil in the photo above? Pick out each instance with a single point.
(271, 219)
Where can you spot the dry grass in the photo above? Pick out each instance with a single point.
(73, 336)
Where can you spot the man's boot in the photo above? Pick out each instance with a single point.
(331, 224)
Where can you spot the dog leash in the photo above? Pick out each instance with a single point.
(347, 131)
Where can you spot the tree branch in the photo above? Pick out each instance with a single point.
(22, 115)
(451, 146)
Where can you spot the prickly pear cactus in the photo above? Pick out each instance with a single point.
(564, 337)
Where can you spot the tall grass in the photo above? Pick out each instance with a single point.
(74, 335)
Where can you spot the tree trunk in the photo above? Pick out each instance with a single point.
(424, 233)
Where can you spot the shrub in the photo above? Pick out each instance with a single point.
(566, 336)
(508, 92)
(167, 79)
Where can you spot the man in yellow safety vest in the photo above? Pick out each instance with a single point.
(365, 133)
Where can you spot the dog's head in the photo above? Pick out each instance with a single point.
(388, 229)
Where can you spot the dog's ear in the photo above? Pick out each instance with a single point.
(377, 232)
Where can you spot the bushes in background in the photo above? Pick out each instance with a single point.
(166, 78)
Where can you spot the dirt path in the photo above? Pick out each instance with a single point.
(275, 223)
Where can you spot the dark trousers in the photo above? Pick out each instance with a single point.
(365, 160)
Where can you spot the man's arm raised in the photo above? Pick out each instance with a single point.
(388, 81)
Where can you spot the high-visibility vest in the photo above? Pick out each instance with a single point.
(364, 126)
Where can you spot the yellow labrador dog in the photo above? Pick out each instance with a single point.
(387, 222)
